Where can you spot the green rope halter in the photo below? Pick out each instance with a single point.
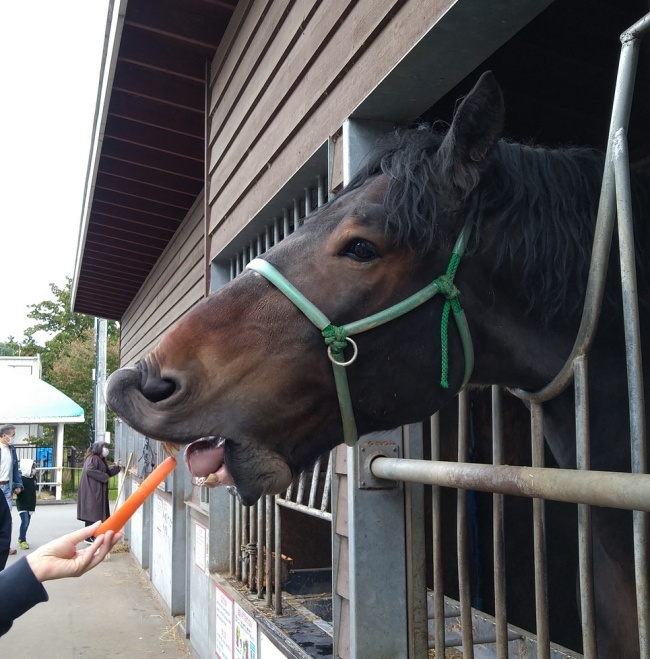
(338, 337)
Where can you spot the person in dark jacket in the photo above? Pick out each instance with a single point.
(26, 500)
(10, 483)
(20, 583)
(92, 497)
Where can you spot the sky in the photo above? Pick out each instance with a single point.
(50, 58)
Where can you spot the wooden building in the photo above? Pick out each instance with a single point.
(219, 125)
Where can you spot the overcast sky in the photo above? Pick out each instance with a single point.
(50, 56)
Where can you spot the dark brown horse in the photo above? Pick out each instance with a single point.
(247, 373)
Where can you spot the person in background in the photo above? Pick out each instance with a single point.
(92, 497)
(20, 583)
(10, 483)
(26, 500)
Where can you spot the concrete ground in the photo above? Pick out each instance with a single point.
(110, 611)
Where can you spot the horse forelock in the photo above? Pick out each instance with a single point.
(534, 211)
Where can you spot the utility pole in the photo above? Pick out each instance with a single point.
(99, 411)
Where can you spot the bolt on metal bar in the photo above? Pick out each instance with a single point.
(585, 544)
(436, 509)
(634, 374)
(500, 614)
(462, 533)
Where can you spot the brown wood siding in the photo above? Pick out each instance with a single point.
(174, 286)
(304, 76)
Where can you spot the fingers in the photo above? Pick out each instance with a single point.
(82, 534)
(96, 553)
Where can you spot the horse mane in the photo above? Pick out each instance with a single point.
(534, 212)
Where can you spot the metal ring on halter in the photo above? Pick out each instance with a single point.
(354, 356)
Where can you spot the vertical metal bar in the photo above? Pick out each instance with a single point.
(307, 201)
(244, 542)
(267, 238)
(315, 477)
(328, 484)
(438, 574)
(322, 191)
(251, 546)
(285, 223)
(232, 269)
(462, 533)
(237, 540)
(261, 512)
(585, 545)
(278, 560)
(498, 532)
(276, 230)
(296, 213)
(634, 375)
(301, 487)
(233, 543)
(416, 586)
(539, 538)
(268, 563)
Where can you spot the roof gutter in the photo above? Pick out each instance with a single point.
(112, 39)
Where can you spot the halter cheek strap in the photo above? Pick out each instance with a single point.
(337, 338)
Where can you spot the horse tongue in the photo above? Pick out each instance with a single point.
(204, 456)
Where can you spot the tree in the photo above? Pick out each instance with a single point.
(72, 374)
(68, 357)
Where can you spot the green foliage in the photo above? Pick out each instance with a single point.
(68, 357)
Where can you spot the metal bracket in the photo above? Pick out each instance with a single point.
(367, 451)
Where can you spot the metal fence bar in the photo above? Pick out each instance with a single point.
(268, 564)
(278, 560)
(261, 515)
(585, 544)
(634, 373)
(539, 538)
(462, 532)
(315, 477)
(608, 489)
(325, 500)
(438, 573)
(498, 533)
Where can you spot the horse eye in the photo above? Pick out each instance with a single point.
(360, 250)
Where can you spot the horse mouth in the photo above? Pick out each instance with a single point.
(205, 460)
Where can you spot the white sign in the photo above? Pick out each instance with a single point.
(200, 553)
(245, 635)
(224, 625)
(268, 650)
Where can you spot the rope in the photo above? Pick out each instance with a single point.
(335, 338)
(451, 293)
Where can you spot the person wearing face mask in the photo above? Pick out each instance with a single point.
(92, 496)
(10, 483)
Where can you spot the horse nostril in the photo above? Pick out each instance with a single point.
(157, 389)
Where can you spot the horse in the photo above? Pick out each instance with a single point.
(263, 376)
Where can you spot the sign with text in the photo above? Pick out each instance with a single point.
(224, 625)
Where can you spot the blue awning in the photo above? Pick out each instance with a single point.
(26, 399)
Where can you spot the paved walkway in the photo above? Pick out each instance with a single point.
(110, 611)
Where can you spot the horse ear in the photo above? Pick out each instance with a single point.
(474, 131)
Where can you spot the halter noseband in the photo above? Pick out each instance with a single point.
(337, 337)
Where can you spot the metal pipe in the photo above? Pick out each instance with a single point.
(585, 544)
(462, 540)
(436, 508)
(634, 374)
(539, 538)
(608, 489)
(301, 507)
(315, 476)
(328, 485)
(500, 614)
(268, 563)
(605, 219)
(278, 561)
(260, 547)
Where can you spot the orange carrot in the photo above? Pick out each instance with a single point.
(124, 513)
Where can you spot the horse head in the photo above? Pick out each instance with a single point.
(245, 378)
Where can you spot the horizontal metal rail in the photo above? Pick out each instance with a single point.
(597, 488)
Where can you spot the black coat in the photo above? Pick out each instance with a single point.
(92, 497)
